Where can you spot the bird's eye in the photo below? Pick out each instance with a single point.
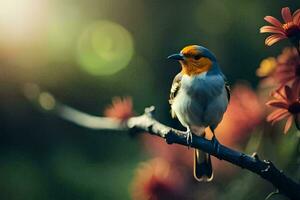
(197, 57)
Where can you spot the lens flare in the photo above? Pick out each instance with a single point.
(104, 48)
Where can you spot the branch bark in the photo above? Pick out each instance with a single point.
(147, 124)
(264, 168)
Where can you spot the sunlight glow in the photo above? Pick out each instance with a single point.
(19, 19)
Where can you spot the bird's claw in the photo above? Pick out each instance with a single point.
(189, 137)
(216, 143)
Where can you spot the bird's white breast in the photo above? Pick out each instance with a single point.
(201, 100)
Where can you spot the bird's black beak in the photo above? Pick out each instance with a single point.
(176, 56)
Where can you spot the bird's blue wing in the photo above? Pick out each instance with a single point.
(227, 87)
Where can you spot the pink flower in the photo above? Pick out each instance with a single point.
(158, 180)
(288, 67)
(290, 28)
(158, 148)
(121, 109)
(287, 105)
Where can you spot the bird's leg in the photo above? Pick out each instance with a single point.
(189, 136)
(215, 142)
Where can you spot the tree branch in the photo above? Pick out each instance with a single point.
(86, 120)
(266, 169)
(147, 124)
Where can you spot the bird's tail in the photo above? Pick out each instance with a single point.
(202, 166)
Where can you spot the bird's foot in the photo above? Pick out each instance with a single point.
(189, 137)
(215, 143)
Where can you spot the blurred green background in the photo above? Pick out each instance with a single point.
(85, 53)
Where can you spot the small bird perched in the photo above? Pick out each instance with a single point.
(199, 97)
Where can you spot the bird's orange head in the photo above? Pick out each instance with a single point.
(194, 59)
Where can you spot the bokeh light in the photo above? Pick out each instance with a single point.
(46, 101)
(104, 48)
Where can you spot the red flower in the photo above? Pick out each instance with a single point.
(288, 67)
(121, 109)
(158, 180)
(158, 148)
(290, 28)
(287, 105)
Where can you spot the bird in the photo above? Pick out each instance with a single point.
(199, 97)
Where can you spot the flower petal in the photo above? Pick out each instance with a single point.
(296, 17)
(279, 94)
(273, 21)
(286, 14)
(288, 124)
(296, 12)
(281, 117)
(271, 29)
(275, 114)
(273, 39)
(277, 103)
